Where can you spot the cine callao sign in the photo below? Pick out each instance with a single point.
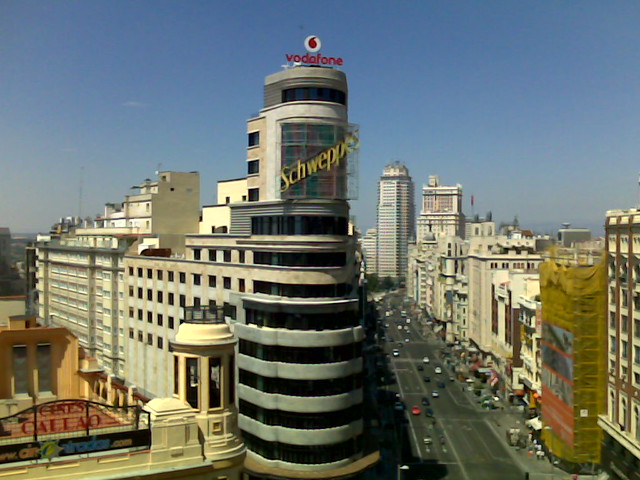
(325, 160)
(313, 44)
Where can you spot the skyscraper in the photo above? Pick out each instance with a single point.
(396, 220)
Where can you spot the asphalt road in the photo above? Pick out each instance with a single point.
(470, 449)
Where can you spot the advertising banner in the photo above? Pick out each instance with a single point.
(318, 160)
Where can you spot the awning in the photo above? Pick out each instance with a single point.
(534, 423)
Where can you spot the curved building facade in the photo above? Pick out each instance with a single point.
(300, 339)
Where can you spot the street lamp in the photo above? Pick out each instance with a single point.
(400, 468)
(550, 430)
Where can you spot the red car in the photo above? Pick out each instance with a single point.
(415, 410)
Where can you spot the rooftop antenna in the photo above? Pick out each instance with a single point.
(159, 169)
(80, 192)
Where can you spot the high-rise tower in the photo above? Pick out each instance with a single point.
(441, 210)
(396, 220)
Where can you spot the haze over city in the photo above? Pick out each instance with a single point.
(532, 107)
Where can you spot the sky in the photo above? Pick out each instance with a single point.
(532, 106)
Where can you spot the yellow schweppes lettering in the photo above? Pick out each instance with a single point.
(326, 160)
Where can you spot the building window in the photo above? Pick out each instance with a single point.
(131, 271)
(149, 294)
(254, 194)
(139, 272)
(253, 166)
(171, 322)
(160, 319)
(241, 286)
(192, 381)
(215, 386)
(196, 254)
(227, 255)
(131, 312)
(43, 359)
(171, 299)
(139, 314)
(171, 276)
(625, 349)
(149, 273)
(139, 292)
(625, 324)
(212, 255)
(636, 355)
(176, 375)
(196, 301)
(149, 339)
(254, 139)
(183, 301)
(241, 256)
(212, 281)
(160, 342)
(140, 337)
(159, 274)
(183, 277)
(150, 317)
(160, 297)
(131, 334)
(226, 282)
(196, 279)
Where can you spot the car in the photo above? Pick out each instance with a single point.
(425, 401)
(398, 406)
(400, 344)
(399, 327)
(441, 384)
(452, 378)
(435, 394)
(427, 440)
(415, 410)
(396, 353)
(406, 340)
(425, 360)
(420, 368)
(438, 370)
(427, 378)
(428, 412)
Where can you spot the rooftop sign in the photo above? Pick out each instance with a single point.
(313, 44)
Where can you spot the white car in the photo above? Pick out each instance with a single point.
(438, 370)
(435, 394)
(425, 360)
(396, 353)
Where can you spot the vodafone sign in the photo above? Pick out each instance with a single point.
(313, 44)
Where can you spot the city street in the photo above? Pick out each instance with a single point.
(464, 441)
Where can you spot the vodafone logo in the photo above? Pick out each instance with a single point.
(312, 44)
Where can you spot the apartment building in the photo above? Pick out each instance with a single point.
(621, 422)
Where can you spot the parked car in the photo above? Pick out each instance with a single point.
(428, 412)
(396, 353)
(398, 406)
(441, 384)
(425, 360)
(427, 440)
(415, 410)
(425, 401)
(435, 394)
(438, 370)
(427, 378)
(420, 368)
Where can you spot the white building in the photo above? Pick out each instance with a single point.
(369, 250)
(441, 210)
(396, 220)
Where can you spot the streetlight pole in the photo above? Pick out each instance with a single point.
(400, 468)
(550, 430)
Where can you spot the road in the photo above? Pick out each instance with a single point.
(471, 449)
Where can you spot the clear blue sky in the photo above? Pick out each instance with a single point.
(534, 107)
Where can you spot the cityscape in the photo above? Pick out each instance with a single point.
(327, 310)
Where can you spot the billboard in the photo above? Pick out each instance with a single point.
(318, 160)
(557, 380)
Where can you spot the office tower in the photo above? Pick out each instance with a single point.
(396, 220)
(370, 251)
(441, 210)
(621, 422)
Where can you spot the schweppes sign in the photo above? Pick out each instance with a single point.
(324, 161)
